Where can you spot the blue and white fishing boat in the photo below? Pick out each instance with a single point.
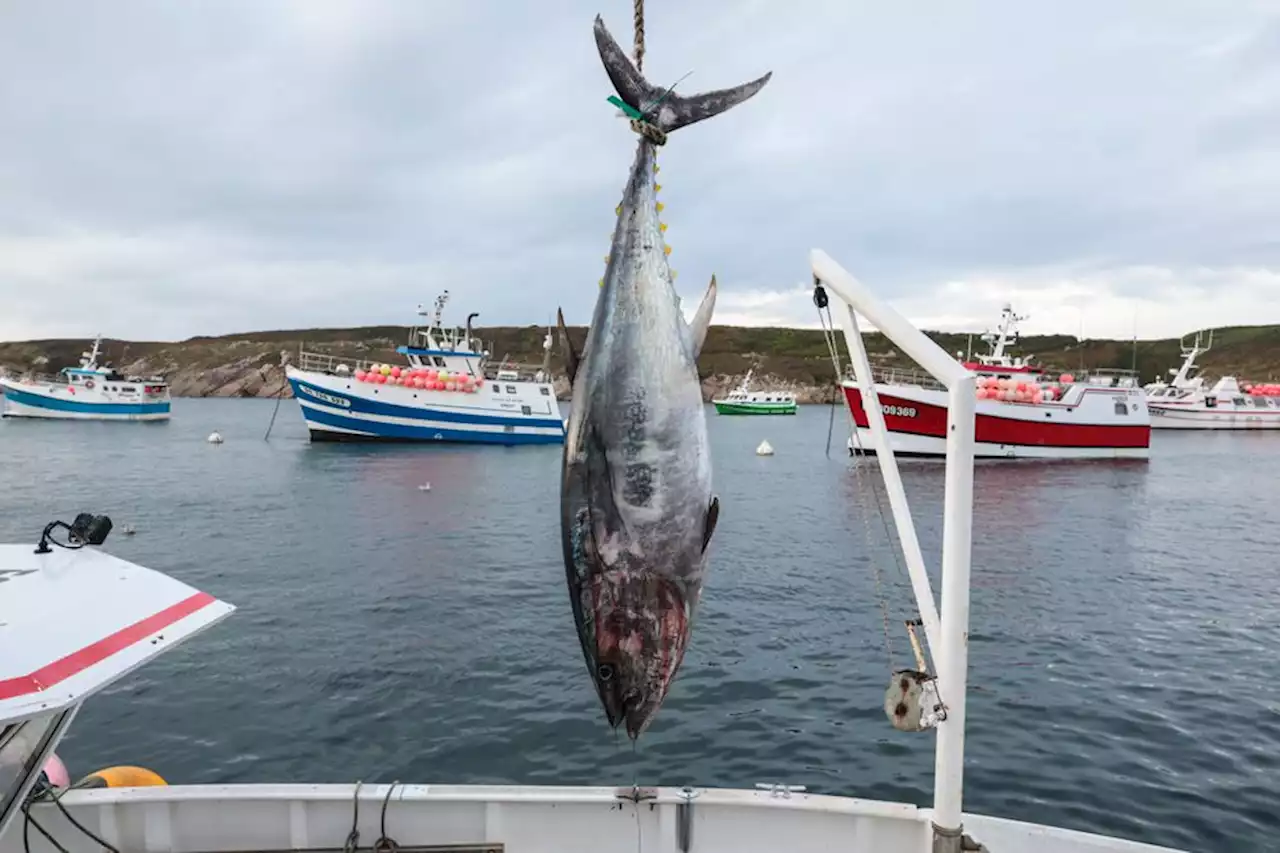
(449, 390)
(90, 392)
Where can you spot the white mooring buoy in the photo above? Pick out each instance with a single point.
(214, 438)
(765, 448)
(425, 487)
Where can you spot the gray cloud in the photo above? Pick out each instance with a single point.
(177, 169)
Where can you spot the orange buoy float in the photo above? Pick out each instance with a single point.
(122, 776)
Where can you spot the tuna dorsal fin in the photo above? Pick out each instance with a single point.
(570, 355)
(660, 106)
(702, 318)
(709, 525)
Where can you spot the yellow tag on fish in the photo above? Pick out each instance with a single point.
(662, 226)
(666, 250)
(656, 168)
(660, 206)
(617, 211)
(657, 188)
(602, 282)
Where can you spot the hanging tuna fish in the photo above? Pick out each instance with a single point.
(637, 511)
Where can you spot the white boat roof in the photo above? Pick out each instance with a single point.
(73, 621)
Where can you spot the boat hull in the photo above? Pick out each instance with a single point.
(724, 407)
(341, 409)
(51, 402)
(478, 819)
(1086, 425)
(1202, 418)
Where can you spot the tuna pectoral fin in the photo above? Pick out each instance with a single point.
(709, 524)
(660, 106)
(702, 318)
(570, 356)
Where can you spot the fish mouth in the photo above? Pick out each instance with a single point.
(642, 630)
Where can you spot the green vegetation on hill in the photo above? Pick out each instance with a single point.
(796, 357)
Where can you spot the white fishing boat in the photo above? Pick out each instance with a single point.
(1022, 410)
(89, 392)
(448, 390)
(1185, 402)
(114, 616)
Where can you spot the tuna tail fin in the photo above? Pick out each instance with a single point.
(662, 107)
(571, 359)
(702, 319)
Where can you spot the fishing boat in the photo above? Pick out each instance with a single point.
(116, 616)
(448, 390)
(743, 401)
(1184, 402)
(1023, 410)
(88, 392)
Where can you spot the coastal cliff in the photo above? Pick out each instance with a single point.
(797, 360)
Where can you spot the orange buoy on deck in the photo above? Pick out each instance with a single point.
(122, 776)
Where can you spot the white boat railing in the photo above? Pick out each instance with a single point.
(903, 376)
(323, 362)
(947, 634)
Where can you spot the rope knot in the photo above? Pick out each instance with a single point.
(650, 132)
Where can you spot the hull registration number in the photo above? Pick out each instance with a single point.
(899, 411)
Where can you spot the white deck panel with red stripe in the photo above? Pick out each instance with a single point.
(72, 622)
(1087, 423)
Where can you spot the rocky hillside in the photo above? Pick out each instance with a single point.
(248, 365)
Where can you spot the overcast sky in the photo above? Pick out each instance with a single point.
(171, 169)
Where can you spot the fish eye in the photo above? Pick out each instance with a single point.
(605, 671)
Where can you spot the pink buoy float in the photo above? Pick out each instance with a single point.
(56, 771)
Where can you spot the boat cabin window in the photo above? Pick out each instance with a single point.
(1210, 402)
(497, 389)
(1122, 408)
(546, 392)
(511, 389)
(21, 745)
(1239, 401)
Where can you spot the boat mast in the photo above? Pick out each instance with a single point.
(544, 375)
(946, 634)
(1182, 376)
(90, 359)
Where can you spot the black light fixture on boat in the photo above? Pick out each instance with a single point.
(87, 529)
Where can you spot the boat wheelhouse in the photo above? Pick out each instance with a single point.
(448, 390)
(88, 392)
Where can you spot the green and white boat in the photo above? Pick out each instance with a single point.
(743, 401)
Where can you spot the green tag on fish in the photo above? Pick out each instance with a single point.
(624, 106)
